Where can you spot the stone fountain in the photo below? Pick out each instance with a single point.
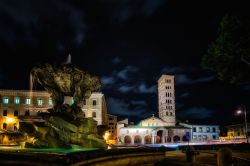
(65, 124)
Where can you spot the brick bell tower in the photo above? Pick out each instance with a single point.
(166, 99)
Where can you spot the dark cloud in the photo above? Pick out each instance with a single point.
(117, 60)
(196, 113)
(126, 9)
(29, 22)
(126, 73)
(181, 79)
(121, 107)
(184, 95)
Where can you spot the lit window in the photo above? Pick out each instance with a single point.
(208, 129)
(27, 101)
(71, 101)
(50, 102)
(39, 101)
(200, 129)
(94, 102)
(93, 114)
(5, 100)
(17, 100)
(16, 113)
(5, 112)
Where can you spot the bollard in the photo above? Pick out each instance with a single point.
(190, 154)
(224, 157)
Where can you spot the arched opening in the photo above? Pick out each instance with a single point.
(168, 139)
(176, 138)
(147, 139)
(159, 136)
(137, 139)
(127, 139)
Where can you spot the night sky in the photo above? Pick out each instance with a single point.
(129, 44)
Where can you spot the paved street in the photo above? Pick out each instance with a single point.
(177, 158)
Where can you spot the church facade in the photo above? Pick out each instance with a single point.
(154, 130)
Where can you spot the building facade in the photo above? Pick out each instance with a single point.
(16, 103)
(166, 99)
(95, 107)
(112, 124)
(23, 103)
(200, 133)
(236, 131)
(152, 131)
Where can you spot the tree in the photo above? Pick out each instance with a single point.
(229, 54)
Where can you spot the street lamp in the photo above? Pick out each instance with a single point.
(242, 109)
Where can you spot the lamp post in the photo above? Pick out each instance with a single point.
(242, 109)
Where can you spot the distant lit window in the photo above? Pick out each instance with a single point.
(27, 101)
(71, 101)
(5, 112)
(50, 102)
(27, 113)
(200, 129)
(5, 100)
(17, 100)
(4, 126)
(194, 136)
(208, 129)
(94, 102)
(39, 102)
(16, 113)
(94, 114)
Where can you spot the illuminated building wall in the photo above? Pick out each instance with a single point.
(16, 103)
(236, 131)
(96, 108)
(201, 133)
(112, 123)
(166, 99)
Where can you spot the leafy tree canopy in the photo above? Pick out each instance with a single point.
(229, 54)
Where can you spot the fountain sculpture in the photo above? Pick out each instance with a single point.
(65, 124)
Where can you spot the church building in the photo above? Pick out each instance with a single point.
(155, 130)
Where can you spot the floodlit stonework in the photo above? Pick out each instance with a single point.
(96, 107)
(166, 99)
